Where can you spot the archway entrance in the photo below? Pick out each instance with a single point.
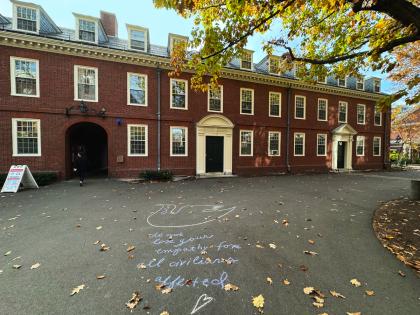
(93, 140)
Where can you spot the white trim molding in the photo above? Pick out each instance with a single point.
(76, 83)
(221, 100)
(325, 144)
(240, 142)
(364, 114)
(361, 139)
(379, 148)
(171, 141)
(26, 5)
(13, 59)
(304, 107)
(136, 28)
(144, 76)
(347, 111)
(252, 100)
(14, 137)
(146, 140)
(279, 143)
(171, 96)
(86, 18)
(269, 103)
(326, 109)
(302, 134)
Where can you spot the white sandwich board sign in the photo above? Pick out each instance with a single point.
(19, 174)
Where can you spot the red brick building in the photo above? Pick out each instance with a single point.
(61, 88)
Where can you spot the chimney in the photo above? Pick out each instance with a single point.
(109, 21)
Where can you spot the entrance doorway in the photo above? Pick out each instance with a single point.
(93, 140)
(214, 154)
(341, 154)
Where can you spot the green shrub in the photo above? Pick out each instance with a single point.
(157, 175)
(41, 178)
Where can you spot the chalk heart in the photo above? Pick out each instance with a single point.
(178, 216)
(202, 301)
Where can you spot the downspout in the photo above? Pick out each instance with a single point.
(289, 100)
(158, 72)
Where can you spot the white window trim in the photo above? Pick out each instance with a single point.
(13, 78)
(326, 109)
(75, 80)
(322, 82)
(347, 110)
(146, 132)
(38, 17)
(364, 145)
(294, 143)
(304, 107)
(374, 120)
(14, 136)
(380, 146)
(240, 142)
(221, 100)
(364, 114)
(186, 141)
(362, 80)
(145, 85)
(326, 144)
(186, 94)
(89, 19)
(269, 104)
(345, 82)
(138, 29)
(379, 84)
(253, 100)
(269, 134)
(251, 53)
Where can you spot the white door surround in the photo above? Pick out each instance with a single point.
(343, 133)
(214, 125)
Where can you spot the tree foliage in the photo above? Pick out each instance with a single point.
(340, 37)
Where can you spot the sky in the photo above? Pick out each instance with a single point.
(160, 22)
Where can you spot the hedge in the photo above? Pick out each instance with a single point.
(41, 178)
(157, 175)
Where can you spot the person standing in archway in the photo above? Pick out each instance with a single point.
(80, 165)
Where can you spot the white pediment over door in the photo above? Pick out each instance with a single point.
(344, 129)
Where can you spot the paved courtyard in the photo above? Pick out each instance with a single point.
(269, 236)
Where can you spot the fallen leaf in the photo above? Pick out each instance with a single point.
(336, 294)
(135, 299)
(100, 277)
(370, 293)
(96, 243)
(141, 266)
(273, 246)
(317, 305)
(269, 280)
(303, 268)
(285, 222)
(355, 282)
(286, 282)
(130, 248)
(308, 252)
(104, 248)
(312, 242)
(164, 313)
(308, 290)
(99, 227)
(8, 253)
(77, 289)
(166, 291)
(357, 313)
(402, 274)
(35, 266)
(318, 299)
(231, 287)
(259, 246)
(258, 301)
(17, 266)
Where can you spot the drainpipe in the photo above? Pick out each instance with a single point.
(289, 100)
(158, 72)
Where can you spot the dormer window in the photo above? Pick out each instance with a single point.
(376, 85)
(176, 40)
(341, 82)
(26, 19)
(246, 60)
(273, 65)
(87, 31)
(137, 38)
(322, 79)
(360, 84)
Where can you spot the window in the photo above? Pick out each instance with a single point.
(26, 19)
(87, 31)
(247, 101)
(274, 143)
(274, 65)
(85, 83)
(300, 104)
(361, 114)
(322, 109)
(299, 144)
(179, 94)
(321, 145)
(322, 79)
(342, 112)
(246, 60)
(376, 146)
(137, 89)
(179, 141)
(246, 143)
(275, 104)
(26, 137)
(360, 84)
(215, 99)
(377, 85)
(24, 77)
(360, 146)
(378, 118)
(138, 38)
(341, 82)
(137, 140)
(176, 40)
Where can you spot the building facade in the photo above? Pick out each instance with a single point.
(61, 89)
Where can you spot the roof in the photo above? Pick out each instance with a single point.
(4, 20)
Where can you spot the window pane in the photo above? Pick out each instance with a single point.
(342, 115)
(299, 143)
(322, 144)
(378, 118)
(25, 77)
(274, 66)
(274, 104)
(360, 114)
(322, 109)
(360, 145)
(138, 40)
(215, 99)
(274, 143)
(178, 141)
(137, 89)
(87, 30)
(300, 107)
(86, 84)
(247, 99)
(246, 142)
(26, 19)
(137, 139)
(178, 94)
(27, 137)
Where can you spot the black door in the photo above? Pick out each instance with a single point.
(214, 154)
(341, 153)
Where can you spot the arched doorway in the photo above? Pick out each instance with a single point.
(93, 140)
